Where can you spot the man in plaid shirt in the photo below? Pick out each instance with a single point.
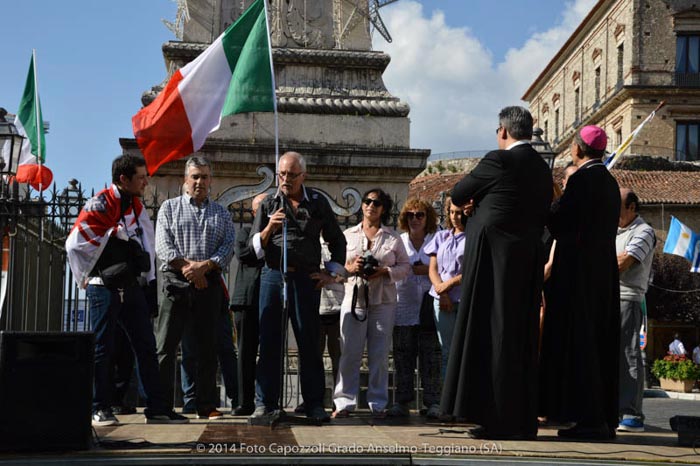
(194, 242)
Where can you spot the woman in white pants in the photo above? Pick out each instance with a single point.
(376, 260)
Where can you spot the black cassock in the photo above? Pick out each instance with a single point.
(580, 341)
(491, 375)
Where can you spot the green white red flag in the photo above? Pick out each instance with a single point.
(30, 125)
(233, 75)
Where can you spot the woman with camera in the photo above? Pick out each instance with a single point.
(415, 337)
(376, 260)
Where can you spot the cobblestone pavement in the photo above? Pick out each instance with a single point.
(659, 410)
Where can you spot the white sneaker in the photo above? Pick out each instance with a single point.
(103, 417)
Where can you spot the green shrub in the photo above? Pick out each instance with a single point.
(675, 367)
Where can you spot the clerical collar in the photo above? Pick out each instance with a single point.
(518, 143)
(591, 163)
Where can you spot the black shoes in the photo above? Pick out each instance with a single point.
(242, 410)
(482, 433)
(165, 418)
(318, 414)
(583, 432)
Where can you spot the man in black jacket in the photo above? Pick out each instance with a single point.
(580, 341)
(244, 303)
(491, 377)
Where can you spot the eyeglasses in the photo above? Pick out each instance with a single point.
(418, 215)
(289, 175)
(374, 202)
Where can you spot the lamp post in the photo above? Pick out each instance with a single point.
(71, 201)
(10, 145)
(543, 147)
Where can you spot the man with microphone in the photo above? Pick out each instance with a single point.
(308, 216)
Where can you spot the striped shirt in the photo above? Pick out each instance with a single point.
(638, 239)
(188, 231)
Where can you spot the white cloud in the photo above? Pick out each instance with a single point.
(450, 79)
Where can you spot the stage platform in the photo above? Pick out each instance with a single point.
(361, 439)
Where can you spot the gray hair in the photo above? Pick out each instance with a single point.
(517, 121)
(197, 161)
(299, 158)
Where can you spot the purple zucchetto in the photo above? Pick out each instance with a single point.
(594, 136)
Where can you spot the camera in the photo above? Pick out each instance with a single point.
(369, 264)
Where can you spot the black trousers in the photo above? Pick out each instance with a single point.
(194, 315)
(246, 321)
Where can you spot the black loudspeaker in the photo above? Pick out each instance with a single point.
(46, 390)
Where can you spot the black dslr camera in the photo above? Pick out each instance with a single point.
(369, 264)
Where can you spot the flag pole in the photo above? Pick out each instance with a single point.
(274, 93)
(615, 156)
(38, 123)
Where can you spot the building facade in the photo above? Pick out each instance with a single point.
(626, 57)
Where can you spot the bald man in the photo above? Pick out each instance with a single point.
(308, 216)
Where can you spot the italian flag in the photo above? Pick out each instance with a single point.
(233, 75)
(30, 125)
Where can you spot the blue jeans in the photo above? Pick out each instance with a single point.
(106, 312)
(228, 363)
(304, 300)
(445, 324)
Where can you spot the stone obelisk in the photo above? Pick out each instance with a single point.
(333, 105)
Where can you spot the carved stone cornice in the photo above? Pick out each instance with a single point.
(188, 51)
(378, 107)
(317, 81)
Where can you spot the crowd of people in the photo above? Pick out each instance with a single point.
(509, 312)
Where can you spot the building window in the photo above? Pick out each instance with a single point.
(556, 124)
(687, 141)
(618, 137)
(620, 61)
(577, 106)
(597, 85)
(546, 130)
(688, 60)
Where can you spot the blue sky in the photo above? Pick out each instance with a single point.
(455, 62)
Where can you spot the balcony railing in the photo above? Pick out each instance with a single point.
(687, 79)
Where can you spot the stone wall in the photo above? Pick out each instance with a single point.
(646, 31)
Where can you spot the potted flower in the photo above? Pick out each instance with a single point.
(676, 372)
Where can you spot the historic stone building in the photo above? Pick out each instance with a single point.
(333, 105)
(623, 59)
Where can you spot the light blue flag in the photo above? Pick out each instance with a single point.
(681, 241)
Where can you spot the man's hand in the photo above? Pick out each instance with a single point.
(625, 261)
(195, 273)
(468, 208)
(323, 279)
(275, 222)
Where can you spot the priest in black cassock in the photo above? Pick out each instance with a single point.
(491, 375)
(580, 340)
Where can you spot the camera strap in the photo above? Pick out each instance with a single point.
(365, 288)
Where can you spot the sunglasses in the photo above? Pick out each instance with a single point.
(418, 215)
(374, 202)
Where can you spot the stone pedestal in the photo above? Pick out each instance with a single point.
(333, 105)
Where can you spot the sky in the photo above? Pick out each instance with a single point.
(455, 62)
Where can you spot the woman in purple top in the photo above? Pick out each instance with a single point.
(446, 250)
